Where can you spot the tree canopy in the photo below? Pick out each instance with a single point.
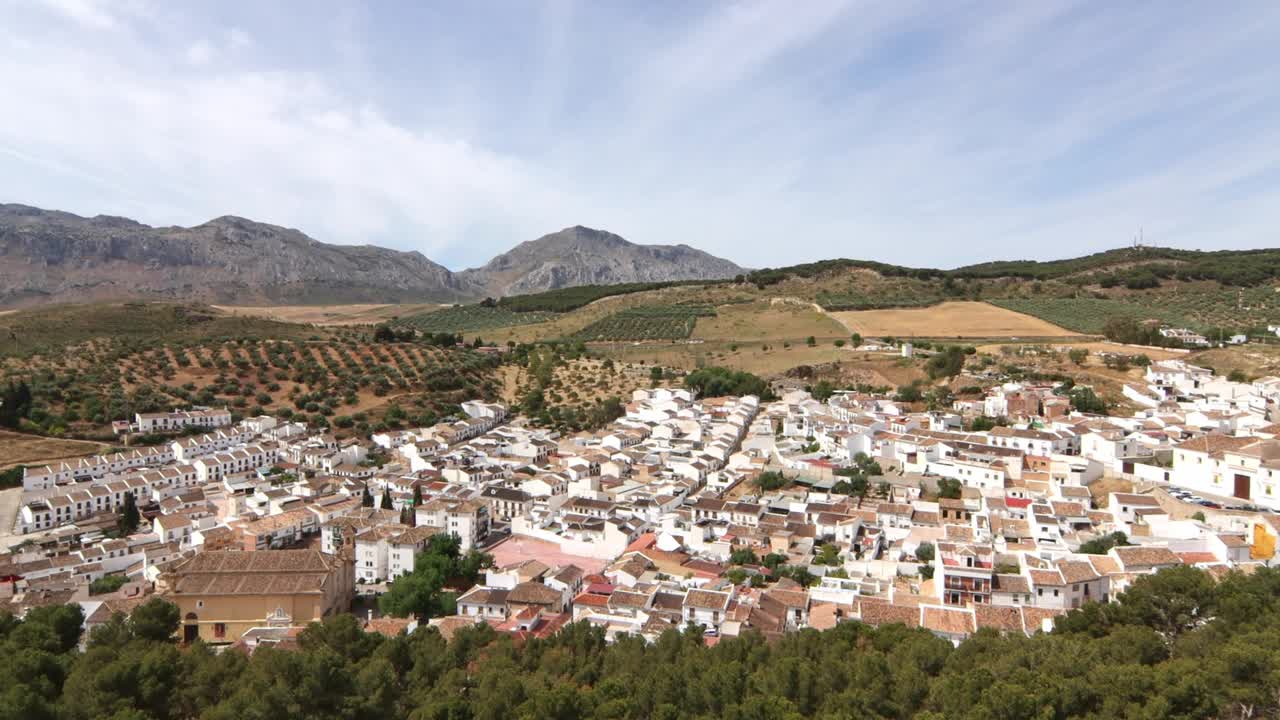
(720, 381)
(421, 592)
(1175, 645)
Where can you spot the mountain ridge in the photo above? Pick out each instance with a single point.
(577, 256)
(54, 256)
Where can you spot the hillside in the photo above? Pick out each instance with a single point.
(56, 257)
(90, 364)
(583, 256)
(51, 329)
(59, 257)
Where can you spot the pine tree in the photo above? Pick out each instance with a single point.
(129, 518)
(15, 404)
(367, 498)
(386, 499)
(417, 495)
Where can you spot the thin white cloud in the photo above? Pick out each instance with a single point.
(89, 13)
(200, 53)
(769, 132)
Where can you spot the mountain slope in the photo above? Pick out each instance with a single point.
(48, 256)
(583, 256)
(51, 256)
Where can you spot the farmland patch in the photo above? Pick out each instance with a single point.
(948, 320)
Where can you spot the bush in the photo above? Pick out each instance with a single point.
(107, 584)
(770, 480)
(1101, 545)
(720, 381)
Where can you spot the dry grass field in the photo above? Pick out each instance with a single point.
(326, 314)
(1253, 360)
(763, 322)
(752, 357)
(963, 319)
(22, 449)
(1095, 348)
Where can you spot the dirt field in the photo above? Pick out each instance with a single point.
(759, 322)
(20, 449)
(326, 314)
(949, 320)
(1094, 348)
(1253, 360)
(750, 357)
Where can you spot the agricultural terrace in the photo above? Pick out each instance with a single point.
(1198, 306)
(577, 393)
(471, 318)
(356, 314)
(1086, 315)
(344, 381)
(647, 322)
(776, 321)
(949, 320)
(51, 329)
(571, 298)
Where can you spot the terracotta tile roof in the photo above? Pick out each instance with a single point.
(1212, 443)
(1234, 541)
(591, 600)
(706, 599)
(388, 626)
(879, 612)
(1047, 578)
(1145, 557)
(533, 593)
(484, 596)
(1197, 558)
(952, 621)
(1077, 571)
(1011, 584)
(1033, 618)
(1004, 619)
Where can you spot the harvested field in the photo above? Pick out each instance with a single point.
(23, 449)
(962, 319)
(751, 322)
(359, 314)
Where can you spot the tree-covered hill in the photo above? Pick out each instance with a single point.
(1177, 645)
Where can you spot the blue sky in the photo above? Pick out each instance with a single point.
(921, 133)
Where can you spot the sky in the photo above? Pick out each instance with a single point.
(930, 134)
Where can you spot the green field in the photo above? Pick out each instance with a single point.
(837, 301)
(1085, 315)
(470, 318)
(1198, 308)
(51, 329)
(647, 322)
